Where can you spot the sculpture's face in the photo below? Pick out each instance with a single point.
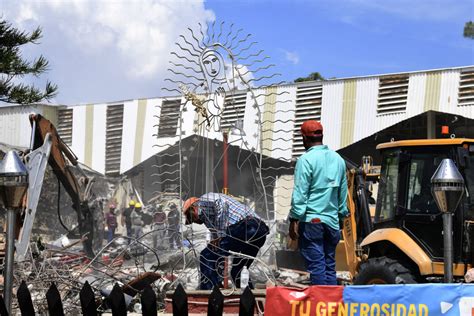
(212, 63)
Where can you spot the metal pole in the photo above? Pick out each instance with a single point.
(9, 258)
(225, 190)
(448, 247)
(225, 187)
(209, 165)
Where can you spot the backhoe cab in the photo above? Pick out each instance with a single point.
(406, 241)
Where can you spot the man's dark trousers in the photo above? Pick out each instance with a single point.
(246, 237)
(318, 242)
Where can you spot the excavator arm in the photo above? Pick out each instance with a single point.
(358, 224)
(78, 188)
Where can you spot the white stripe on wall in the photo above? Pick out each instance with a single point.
(251, 116)
(188, 119)
(416, 94)
(448, 97)
(153, 110)
(331, 113)
(98, 152)
(283, 127)
(366, 108)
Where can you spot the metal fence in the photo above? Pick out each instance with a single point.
(116, 302)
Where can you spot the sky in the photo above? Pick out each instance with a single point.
(103, 51)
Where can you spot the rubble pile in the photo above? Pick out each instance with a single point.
(63, 263)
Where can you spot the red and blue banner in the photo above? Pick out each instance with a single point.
(372, 300)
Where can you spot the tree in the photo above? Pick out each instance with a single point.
(311, 77)
(469, 30)
(13, 66)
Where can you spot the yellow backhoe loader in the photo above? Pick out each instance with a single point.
(403, 241)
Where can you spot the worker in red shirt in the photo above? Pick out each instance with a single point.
(111, 221)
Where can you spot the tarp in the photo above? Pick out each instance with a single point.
(373, 300)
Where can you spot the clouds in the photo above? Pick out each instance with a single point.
(292, 57)
(130, 39)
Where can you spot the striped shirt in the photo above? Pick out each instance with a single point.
(218, 211)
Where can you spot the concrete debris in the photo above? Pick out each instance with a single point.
(469, 276)
(62, 241)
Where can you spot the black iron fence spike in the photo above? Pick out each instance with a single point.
(24, 300)
(247, 303)
(116, 300)
(180, 302)
(216, 303)
(87, 298)
(148, 301)
(55, 306)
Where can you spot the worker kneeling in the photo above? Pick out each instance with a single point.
(234, 227)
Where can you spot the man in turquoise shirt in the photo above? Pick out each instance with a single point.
(318, 203)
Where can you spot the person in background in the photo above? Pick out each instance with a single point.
(111, 221)
(318, 204)
(234, 226)
(137, 221)
(127, 219)
(159, 226)
(173, 227)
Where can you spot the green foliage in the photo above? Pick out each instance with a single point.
(469, 30)
(311, 77)
(13, 66)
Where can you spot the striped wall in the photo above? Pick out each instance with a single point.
(349, 114)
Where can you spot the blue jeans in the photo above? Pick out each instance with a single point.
(318, 244)
(110, 234)
(246, 237)
(129, 231)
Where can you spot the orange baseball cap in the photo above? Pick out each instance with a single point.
(312, 128)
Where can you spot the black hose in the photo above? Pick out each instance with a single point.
(59, 209)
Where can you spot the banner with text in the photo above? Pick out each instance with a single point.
(314, 300)
(372, 300)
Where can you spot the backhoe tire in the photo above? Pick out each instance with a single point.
(384, 270)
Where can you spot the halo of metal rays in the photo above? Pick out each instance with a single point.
(188, 78)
